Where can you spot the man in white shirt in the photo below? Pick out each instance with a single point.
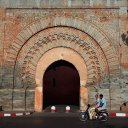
(103, 103)
(95, 105)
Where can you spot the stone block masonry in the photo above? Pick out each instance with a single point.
(94, 31)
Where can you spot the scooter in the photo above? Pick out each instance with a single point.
(100, 115)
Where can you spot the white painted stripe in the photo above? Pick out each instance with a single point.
(19, 114)
(7, 114)
(120, 114)
(27, 113)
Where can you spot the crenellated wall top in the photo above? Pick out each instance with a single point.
(63, 3)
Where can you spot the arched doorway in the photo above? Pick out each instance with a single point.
(61, 84)
(54, 55)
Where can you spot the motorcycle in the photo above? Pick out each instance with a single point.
(100, 115)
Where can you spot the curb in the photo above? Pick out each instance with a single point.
(15, 114)
(118, 114)
(29, 113)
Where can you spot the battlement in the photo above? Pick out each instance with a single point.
(63, 3)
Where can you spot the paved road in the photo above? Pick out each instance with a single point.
(59, 122)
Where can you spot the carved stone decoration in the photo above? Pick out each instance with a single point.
(124, 37)
(83, 44)
(85, 38)
(90, 42)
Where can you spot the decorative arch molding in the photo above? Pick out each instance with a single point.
(87, 28)
(61, 53)
(50, 38)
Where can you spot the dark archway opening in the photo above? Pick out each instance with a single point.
(61, 84)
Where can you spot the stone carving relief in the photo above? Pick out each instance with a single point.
(62, 37)
(91, 43)
(105, 19)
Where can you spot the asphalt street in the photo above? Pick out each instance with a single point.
(59, 122)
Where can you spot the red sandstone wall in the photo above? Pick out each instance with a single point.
(112, 22)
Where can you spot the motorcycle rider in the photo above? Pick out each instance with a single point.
(102, 103)
(95, 104)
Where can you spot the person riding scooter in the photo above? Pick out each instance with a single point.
(100, 111)
(102, 105)
(94, 106)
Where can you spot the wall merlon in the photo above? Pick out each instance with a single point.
(62, 3)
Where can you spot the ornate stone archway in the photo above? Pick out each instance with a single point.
(51, 56)
(95, 34)
(53, 38)
(82, 37)
(38, 45)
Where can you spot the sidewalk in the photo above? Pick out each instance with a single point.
(118, 114)
(32, 113)
(14, 113)
(59, 112)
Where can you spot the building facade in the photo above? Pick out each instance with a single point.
(42, 40)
